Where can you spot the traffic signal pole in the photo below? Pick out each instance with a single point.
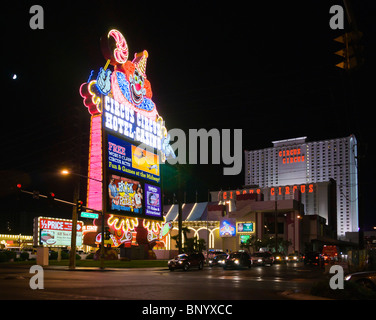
(72, 253)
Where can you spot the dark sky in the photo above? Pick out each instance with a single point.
(266, 68)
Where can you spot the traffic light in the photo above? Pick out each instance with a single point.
(51, 197)
(351, 51)
(79, 206)
(107, 233)
(36, 194)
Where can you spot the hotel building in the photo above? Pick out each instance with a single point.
(298, 162)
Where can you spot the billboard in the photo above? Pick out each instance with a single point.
(153, 201)
(128, 137)
(126, 158)
(246, 227)
(134, 198)
(54, 232)
(227, 227)
(125, 195)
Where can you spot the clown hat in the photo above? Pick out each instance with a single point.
(140, 61)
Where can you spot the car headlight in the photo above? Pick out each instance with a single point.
(259, 260)
(210, 261)
(221, 261)
(236, 261)
(295, 258)
(180, 262)
(278, 258)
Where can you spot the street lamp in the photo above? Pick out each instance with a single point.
(66, 172)
(74, 222)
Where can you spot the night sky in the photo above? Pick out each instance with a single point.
(266, 68)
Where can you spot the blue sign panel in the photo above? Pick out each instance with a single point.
(127, 158)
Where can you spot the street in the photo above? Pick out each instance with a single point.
(257, 283)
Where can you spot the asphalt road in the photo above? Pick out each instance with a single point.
(257, 283)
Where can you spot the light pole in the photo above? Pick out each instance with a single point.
(72, 256)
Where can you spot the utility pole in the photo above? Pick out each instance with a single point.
(276, 224)
(180, 213)
(72, 254)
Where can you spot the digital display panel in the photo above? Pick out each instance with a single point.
(125, 196)
(127, 158)
(153, 201)
(227, 227)
(245, 227)
(244, 238)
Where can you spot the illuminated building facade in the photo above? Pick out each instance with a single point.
(298, 162)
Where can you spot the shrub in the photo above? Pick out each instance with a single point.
(24, 256)
(90, 256)
(3, 257)
(53, 255)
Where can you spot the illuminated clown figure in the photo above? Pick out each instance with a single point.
(130, 86)
(127, 83)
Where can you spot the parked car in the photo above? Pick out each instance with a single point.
(218, 260)
(32, 253)
(262, 258)
(238, 259)
(186, 261)
(313, 258)
(367, 279)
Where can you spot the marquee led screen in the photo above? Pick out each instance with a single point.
(126, 158)
(125, 196)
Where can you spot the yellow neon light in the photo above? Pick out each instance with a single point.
(126, 223)
(95, 99)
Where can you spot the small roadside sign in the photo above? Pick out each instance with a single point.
(90, 215)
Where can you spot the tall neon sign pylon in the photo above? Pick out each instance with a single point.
(95, 176)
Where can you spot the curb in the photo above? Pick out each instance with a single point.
(301, 296)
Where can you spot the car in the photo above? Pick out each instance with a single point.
(366, 279)
(186, 261)
(293, 257)
(218, 260)
(279, 257)
(313, 258)
(262, 258)
(238, 259)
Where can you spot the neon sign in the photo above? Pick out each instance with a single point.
(94, 184)
(291, 156)
(128, 141)
(123, 96)
(285, 190)
(121, 51)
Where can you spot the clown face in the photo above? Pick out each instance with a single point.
(137, 87)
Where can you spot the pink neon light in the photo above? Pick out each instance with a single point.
(89, 98)
(121, 51)
(94, 188)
